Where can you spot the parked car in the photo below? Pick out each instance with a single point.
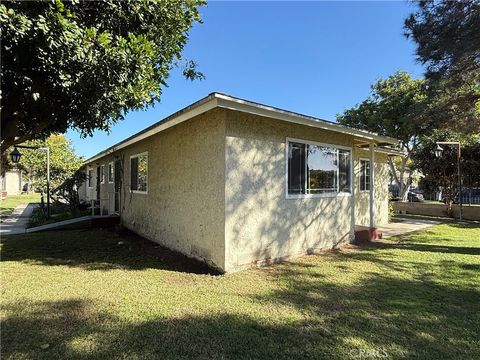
(415, 196)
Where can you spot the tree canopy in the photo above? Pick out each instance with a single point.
(397, 107)
(64, 162)
(85, 64)
(447, 34)
(441, 173)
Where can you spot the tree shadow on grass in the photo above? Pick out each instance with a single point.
(408, 317)
(75, 330)
(405, 318)
(97, 250)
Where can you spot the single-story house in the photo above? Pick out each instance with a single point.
(237, 183)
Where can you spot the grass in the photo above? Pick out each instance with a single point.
(12, 201)
(94, 294)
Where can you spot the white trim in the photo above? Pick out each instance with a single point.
(359, 175)
(313, 196)
(313, 142)
(215, 100)
(391, 152)
(130, 173)
(112, 163)
(352, 198)
(139, 192)
(372, 185)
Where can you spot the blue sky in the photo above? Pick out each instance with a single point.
(316, 58)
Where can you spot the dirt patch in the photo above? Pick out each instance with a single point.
(172, 260)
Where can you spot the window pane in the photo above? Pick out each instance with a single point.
(110, 172)
(134, 173)
(322, 169)
(142, 172)
(367, 175)
(296, 168)
(344, 170)
(364, 175)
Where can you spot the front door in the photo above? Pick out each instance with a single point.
(117, 184)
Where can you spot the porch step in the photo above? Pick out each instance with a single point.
(365, 234)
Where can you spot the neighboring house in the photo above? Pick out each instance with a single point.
(11, 182)
(237, 183)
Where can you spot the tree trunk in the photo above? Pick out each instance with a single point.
(399, 176)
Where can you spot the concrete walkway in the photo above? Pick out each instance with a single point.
(403, 226)
(16, 222)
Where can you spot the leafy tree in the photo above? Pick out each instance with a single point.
(69, 189)
(447, 34)
(396, 107)
(471, 162)
(441, 173)
(85, 64)
(64, 162)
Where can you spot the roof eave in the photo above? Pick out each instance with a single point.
(214, 100)
(228, 102)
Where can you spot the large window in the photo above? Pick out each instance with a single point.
(110, 172)
(90, 178)
(102, 174)
(315, 169)
(364, 175)
(139, 173)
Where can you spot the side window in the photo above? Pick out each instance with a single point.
(315, 169)
(139, 173)
(110, 172)
(102, 174)
(364, 175)
(90, 178)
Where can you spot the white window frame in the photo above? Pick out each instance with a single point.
(102, 174)
(310, 196)
(130, 166)
(112, 165)
(89, 178)
(360, 175)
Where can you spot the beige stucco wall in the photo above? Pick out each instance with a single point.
(362, 198)
(216, 191)
(260, 223)
(184, 206)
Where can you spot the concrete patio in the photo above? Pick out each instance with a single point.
(405, 225)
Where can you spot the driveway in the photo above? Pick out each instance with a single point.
(16, 222)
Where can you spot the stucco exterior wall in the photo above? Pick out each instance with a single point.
(12, 182)
(362, 198)
(184, 206)
(216, 191)
(260, 222)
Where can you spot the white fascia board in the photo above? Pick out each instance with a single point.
(228, 102)
(390, 151)
(172, 120)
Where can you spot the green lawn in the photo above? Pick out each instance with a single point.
(12, 201)
(93, 294)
